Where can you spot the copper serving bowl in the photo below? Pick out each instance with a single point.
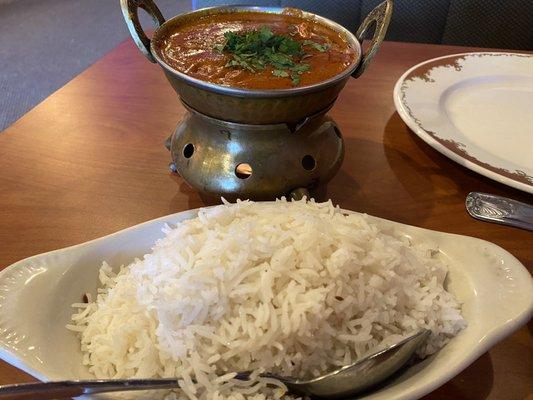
(248, 105)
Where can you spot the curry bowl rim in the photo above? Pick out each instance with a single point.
(262, 93)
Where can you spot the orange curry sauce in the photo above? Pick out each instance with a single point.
(190, 49)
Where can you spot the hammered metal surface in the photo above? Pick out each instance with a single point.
(207, 152)
(255, 110)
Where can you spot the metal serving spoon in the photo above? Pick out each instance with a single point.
(343, 382)
(500, 210)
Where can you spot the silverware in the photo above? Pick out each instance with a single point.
(343, 382)
(501, 210)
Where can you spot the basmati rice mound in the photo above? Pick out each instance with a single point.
(296, 288)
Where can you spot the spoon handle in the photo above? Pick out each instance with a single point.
(68, 389)
(501, 210)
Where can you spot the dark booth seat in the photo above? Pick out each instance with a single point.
(505, 24)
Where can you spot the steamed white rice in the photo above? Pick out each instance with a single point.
(296, 288)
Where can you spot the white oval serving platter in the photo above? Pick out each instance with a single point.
(36, 293)
(475, 108)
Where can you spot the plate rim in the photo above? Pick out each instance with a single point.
(489, 339)
(428, 139)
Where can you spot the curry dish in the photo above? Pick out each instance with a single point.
(254, 50)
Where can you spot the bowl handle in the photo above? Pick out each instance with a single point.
(130, 10)
(380, 18)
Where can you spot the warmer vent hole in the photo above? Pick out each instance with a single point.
(243, 171)
(308, 162)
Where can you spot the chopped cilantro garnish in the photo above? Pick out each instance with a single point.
(280, 72)
(315, 45)
(256, 49)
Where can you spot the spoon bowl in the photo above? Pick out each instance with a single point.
(362, 374)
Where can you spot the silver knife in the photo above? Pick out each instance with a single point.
(501, 210)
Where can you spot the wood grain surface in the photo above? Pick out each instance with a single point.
(90, 160)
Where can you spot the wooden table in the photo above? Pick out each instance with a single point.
(90, 160)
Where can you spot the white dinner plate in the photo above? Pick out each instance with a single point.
(475, 108)
(36, 293)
